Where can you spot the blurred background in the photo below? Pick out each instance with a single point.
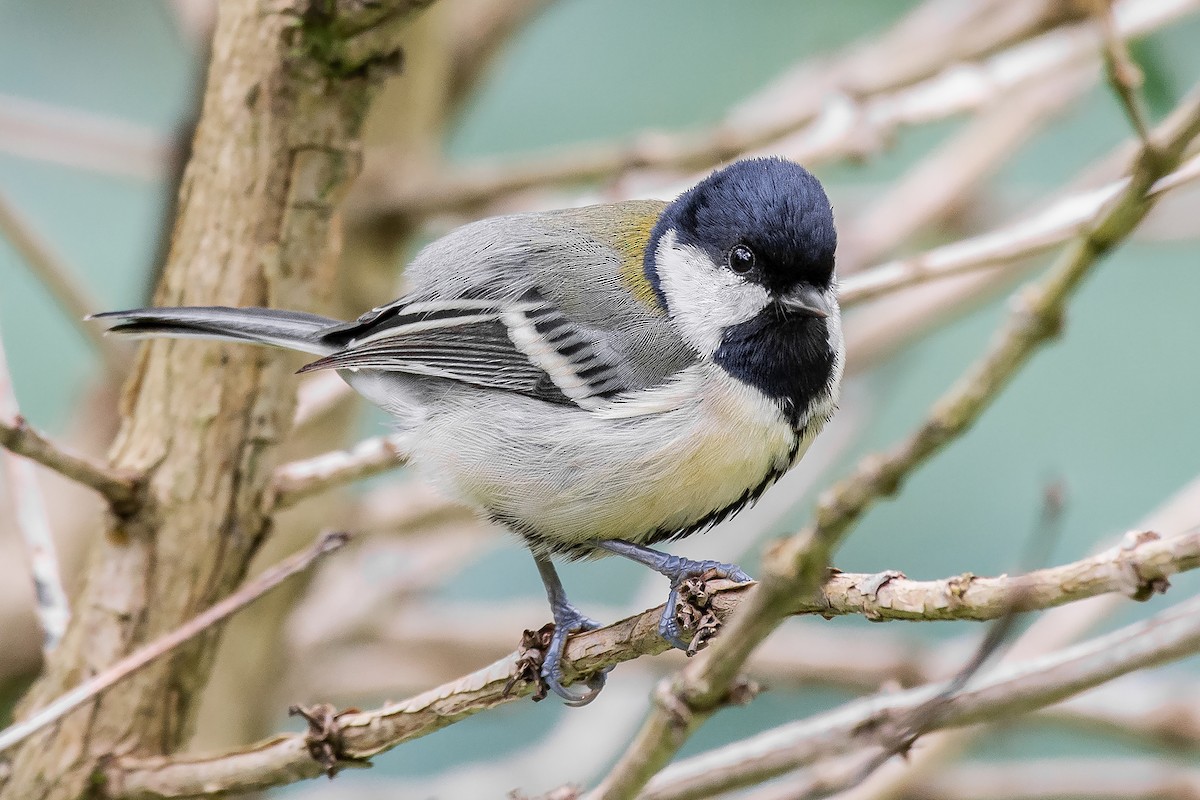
(96, 104)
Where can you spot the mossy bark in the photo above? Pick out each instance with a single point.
(277, 146)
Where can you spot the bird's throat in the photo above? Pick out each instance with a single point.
(789, 359)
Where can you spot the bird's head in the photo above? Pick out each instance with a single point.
(743, 263)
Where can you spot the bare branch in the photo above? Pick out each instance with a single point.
(1060, 779)
(816, 112)
(120, 490)
(480, 30)
(1013, 689)
(935, 35)
(954, 172)
(33, 522)
(59, 279)
(135, 661)
(318, 394)
(285, 759)
(1123, 74)
(75, 138)
(1052, 226)
(301, 479)
(1162, 713)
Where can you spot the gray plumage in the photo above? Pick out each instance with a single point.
(596, 379)
(533, 384)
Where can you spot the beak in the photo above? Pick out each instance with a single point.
(806, 301)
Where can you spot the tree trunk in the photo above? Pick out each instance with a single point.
(277, 145)
(250, 685)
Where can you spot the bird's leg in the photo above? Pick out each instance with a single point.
(567, 620)
(677, 570)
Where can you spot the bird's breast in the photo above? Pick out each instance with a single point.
(660, 464)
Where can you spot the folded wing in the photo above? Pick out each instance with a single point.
(527, 346)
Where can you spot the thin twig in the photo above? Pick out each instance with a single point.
(82, 140)
(817, 113)
(220, 611)
(284, 759)
(33, 522)
(1052, 226)
(59, 279)
(120, 490)
(301, 479)
(1061, 779)
(1123, 73)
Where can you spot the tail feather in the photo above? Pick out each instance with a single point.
(294, 330)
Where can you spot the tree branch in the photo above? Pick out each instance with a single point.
(946, 65)
(160, 647)
(1143, 561)
(1054, 225)
(931, 38)
(83, 140)
(1059, 779)
(53, 609)
(298, 480)
(278, 143)
(1123, 74)
(873, 721)
(119, 489)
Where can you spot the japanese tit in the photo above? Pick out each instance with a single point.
(599, 379)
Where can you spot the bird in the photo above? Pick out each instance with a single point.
(597, 380)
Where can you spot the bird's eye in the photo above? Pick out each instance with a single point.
(741, 259)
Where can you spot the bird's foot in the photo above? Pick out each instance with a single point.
(689, 604)
(542, 654)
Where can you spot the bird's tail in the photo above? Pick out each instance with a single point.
(294, 330)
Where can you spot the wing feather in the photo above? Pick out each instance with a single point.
(526, 346)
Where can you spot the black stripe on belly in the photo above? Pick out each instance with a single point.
(714, 518)
(539, 541)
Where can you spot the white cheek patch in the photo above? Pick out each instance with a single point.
(702, 298)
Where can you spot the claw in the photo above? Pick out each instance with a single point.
(668, 624)
(567, 621)
(687, 577)
(689, 600)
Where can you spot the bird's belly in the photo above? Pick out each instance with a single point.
(563, 478)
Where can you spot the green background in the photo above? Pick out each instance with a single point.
(1110, 409)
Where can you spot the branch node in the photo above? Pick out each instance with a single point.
(694, 611)
(956, 588)
(668, 698)
(743, 691)
(324, 736)
(1141, 588)
(870, 589)
(527, 668)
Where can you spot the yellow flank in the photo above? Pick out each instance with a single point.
(630, 241)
